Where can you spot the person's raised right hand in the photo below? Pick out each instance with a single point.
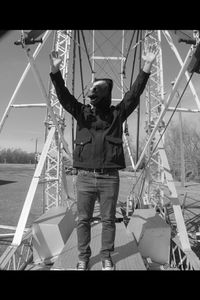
(55, 61)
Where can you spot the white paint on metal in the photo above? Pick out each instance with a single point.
(31, 192)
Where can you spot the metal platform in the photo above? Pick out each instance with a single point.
(125, 256)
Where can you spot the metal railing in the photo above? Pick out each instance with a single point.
(17, 258)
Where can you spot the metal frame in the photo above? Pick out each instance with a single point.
(10, 104)
(157, 170)
(12, 250)
(53, 178)
(157, 166)
(51, 159)
(121, 58)
(159, 173)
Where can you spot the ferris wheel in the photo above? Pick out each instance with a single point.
(115, 54)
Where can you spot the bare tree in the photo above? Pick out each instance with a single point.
(17, 156)
(191, 144)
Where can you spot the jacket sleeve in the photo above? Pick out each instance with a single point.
(131, 98)
(68, 101)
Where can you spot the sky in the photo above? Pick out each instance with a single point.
(26, 125)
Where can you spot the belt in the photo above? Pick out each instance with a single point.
(99, 171)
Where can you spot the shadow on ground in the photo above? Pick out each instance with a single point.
(3, 182)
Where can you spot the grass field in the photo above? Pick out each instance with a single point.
(14, 184)
(15, 180)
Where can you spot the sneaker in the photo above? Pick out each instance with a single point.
(82, 265)
(107, 265)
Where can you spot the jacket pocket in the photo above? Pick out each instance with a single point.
(82, 149)
(114, 148)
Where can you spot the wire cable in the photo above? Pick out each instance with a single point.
(154, 149)
(172, 114)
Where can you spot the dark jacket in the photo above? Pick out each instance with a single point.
(99, 131)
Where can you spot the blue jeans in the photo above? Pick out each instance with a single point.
(90, 187)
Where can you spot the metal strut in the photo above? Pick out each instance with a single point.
(51, 157)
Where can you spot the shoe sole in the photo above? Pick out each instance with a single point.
(104, 269)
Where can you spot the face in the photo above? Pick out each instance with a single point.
(98, 91)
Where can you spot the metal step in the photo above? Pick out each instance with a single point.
(125, 256)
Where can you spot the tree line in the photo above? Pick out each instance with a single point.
(190, 146)
(16, 156)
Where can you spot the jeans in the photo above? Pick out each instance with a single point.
(90, 187)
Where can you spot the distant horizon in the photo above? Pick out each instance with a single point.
(14, 149)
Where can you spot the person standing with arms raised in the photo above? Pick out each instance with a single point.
(98, 155)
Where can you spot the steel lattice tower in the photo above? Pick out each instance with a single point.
(53, 172)
(158, 179)
(50, 169)
(154, 104)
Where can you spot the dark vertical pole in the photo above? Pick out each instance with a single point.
(36, 157)
(129, 47)
(135, 52)
(86, 51)
(131, 80)
(73, 84)
(81, 71)
(138, 109)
